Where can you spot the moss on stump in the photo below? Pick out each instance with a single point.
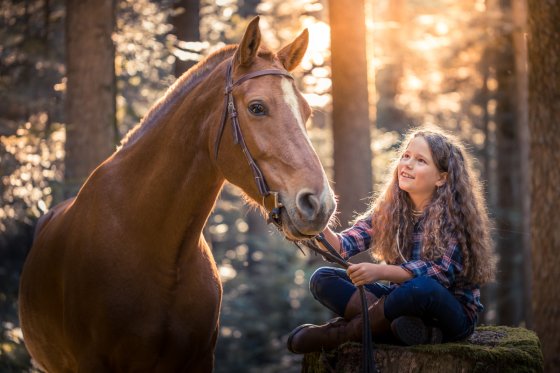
(489, 349)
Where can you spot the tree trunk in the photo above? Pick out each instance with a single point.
(519, 14)
(388, 78)
(351, 125)
(544, 117)
(508, 209)
(186, 24)
(90, 96)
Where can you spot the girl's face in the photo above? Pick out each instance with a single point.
(418, 174)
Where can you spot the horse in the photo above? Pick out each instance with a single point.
(120, 278)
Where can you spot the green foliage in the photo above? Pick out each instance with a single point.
(511, 349)
(490, 348)
(31, 146)
(143, 58)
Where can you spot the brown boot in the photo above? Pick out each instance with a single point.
(354, 306)
(379, 325)
(310, 338)
(413, 331)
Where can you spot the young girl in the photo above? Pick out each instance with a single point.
(430, 226)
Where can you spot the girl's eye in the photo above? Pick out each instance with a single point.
(421, 160)
(406, 156)
(257, 109)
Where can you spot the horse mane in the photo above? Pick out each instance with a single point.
(177, 90)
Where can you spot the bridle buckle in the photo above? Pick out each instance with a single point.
(274, 214)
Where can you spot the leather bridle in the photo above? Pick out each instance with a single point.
(229, 108)
(368, 363)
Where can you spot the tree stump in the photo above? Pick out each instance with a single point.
(488, 349)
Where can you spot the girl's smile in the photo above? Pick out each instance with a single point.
(417, 172)
(407, 175)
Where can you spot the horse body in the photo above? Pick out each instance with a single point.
(120, 277)
(121, 258)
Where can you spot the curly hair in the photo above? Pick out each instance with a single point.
(456, 213)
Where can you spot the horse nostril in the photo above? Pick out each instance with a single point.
(307, 204)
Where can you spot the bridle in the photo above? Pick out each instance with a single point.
(368, 363)
(229, 108)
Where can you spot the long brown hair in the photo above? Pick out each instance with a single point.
(456, 213)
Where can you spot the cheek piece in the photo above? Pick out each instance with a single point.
(229, 108)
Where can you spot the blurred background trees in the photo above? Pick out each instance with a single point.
(75, 76)
(91, 132)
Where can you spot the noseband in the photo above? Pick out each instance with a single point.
(229, 107)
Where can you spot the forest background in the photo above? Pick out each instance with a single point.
(486, 70)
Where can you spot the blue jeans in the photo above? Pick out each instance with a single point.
(422, 297)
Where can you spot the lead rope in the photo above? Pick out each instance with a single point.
(368, 362)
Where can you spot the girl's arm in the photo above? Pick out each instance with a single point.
(443, 270)
(332, 238)
(353, 240)
(367, 273)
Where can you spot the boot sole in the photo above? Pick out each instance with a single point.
(412, 331)
(291, 337)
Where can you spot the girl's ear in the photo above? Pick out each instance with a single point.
(442, 179)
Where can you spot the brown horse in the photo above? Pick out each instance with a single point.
(120, 277)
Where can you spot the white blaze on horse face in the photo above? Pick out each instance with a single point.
(292, 102)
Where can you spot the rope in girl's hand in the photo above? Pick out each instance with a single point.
(368, 362)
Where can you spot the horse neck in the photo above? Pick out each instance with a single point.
(167, 181)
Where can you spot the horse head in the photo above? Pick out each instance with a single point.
(271, 115)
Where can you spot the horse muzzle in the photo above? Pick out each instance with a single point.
(306, 215)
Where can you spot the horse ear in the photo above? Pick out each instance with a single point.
(249, 45)
(292, 54)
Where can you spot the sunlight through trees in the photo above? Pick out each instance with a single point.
(461, 65)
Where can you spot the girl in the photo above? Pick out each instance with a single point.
(430, 226)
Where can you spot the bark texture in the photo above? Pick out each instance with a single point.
(489, 349)
(544, 118)
(508, 209)
(90, 97)
(351, 125)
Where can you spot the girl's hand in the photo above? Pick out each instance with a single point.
(363, 273)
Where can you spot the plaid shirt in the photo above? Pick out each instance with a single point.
(446, 270)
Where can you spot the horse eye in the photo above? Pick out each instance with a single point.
(257, 109)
